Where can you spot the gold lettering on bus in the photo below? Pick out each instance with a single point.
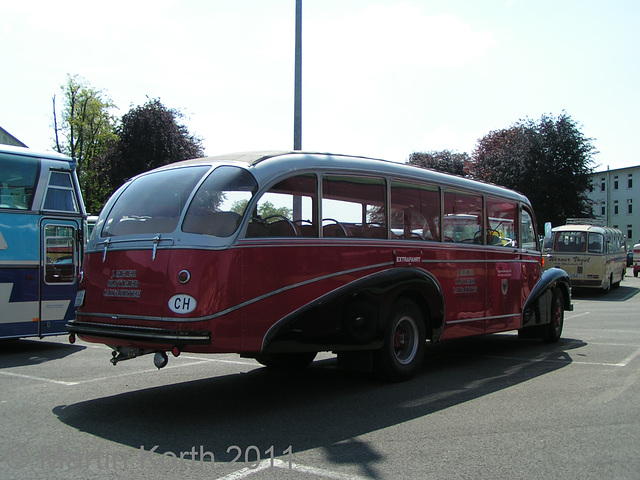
(408, 259)
(121, 293)
(122, 284)
(465, 282)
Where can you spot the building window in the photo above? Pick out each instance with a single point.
(615, 207)
(603, 211)
(615, 182)
(630, 181)
(629, 231)
(602, 185)
(629, 206)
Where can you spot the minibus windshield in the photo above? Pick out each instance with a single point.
(153, 203)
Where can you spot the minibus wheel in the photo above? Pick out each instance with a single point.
(554, 330)
(403, 345)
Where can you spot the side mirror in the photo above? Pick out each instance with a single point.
(547, 230)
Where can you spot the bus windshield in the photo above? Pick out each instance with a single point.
(576, 242)
(17, 182)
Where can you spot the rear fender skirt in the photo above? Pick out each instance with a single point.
(352, 317)
(537, 308)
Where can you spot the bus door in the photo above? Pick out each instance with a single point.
(60, 259)
(504, 273)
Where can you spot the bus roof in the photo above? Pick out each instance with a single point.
(587, 228)
(27, 152)
(268, 165)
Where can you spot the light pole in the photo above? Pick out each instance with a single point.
(297, 101)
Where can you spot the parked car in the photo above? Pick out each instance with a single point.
(636, 259)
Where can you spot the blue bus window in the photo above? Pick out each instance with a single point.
(60, 193)
(17, 183)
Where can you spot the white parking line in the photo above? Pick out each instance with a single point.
(31, 377)
(571, 317)
(627, 360)
(235, 362)
(623, 363)
(245, 472)
(137, 372)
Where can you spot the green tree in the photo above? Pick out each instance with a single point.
(442, 161)
(85, 132)
(265, 209)
(150, 136)
(549, 161)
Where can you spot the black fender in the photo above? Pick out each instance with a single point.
(353, 316)
(537, 308)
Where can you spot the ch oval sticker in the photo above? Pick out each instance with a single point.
(182, 303)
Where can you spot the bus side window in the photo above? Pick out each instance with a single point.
(288, 209)
(596, 242)
(61, 195)
(462, 221)
(528, 232)
(415, 211)
(216, 208)
(502, 222)
(60, 254)
(354, 207)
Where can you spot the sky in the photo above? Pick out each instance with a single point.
(380, 78)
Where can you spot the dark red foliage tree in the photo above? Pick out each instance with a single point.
(443, 161)
(150, 136)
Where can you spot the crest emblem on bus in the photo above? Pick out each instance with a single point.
(505, 286)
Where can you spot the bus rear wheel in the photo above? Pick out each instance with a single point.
(403, 345)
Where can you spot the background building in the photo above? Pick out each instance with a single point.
(616, 200)
(7, 139)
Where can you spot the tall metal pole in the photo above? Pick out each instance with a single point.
(297, 102)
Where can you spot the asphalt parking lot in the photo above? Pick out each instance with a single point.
(487, 407)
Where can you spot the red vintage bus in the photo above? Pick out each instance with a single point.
(280, 255)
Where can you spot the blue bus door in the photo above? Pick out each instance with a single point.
(61, 251)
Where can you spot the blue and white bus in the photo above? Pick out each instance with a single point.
(41, 242)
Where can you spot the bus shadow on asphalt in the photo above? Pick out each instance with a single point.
(620, 294)
(23, 352)
(321, 407)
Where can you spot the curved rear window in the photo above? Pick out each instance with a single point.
(153, 203)
(220, 202)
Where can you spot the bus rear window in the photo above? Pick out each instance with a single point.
(220, 202)
(153, 203)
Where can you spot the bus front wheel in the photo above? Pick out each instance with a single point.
(554, 330)
(403, 345)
